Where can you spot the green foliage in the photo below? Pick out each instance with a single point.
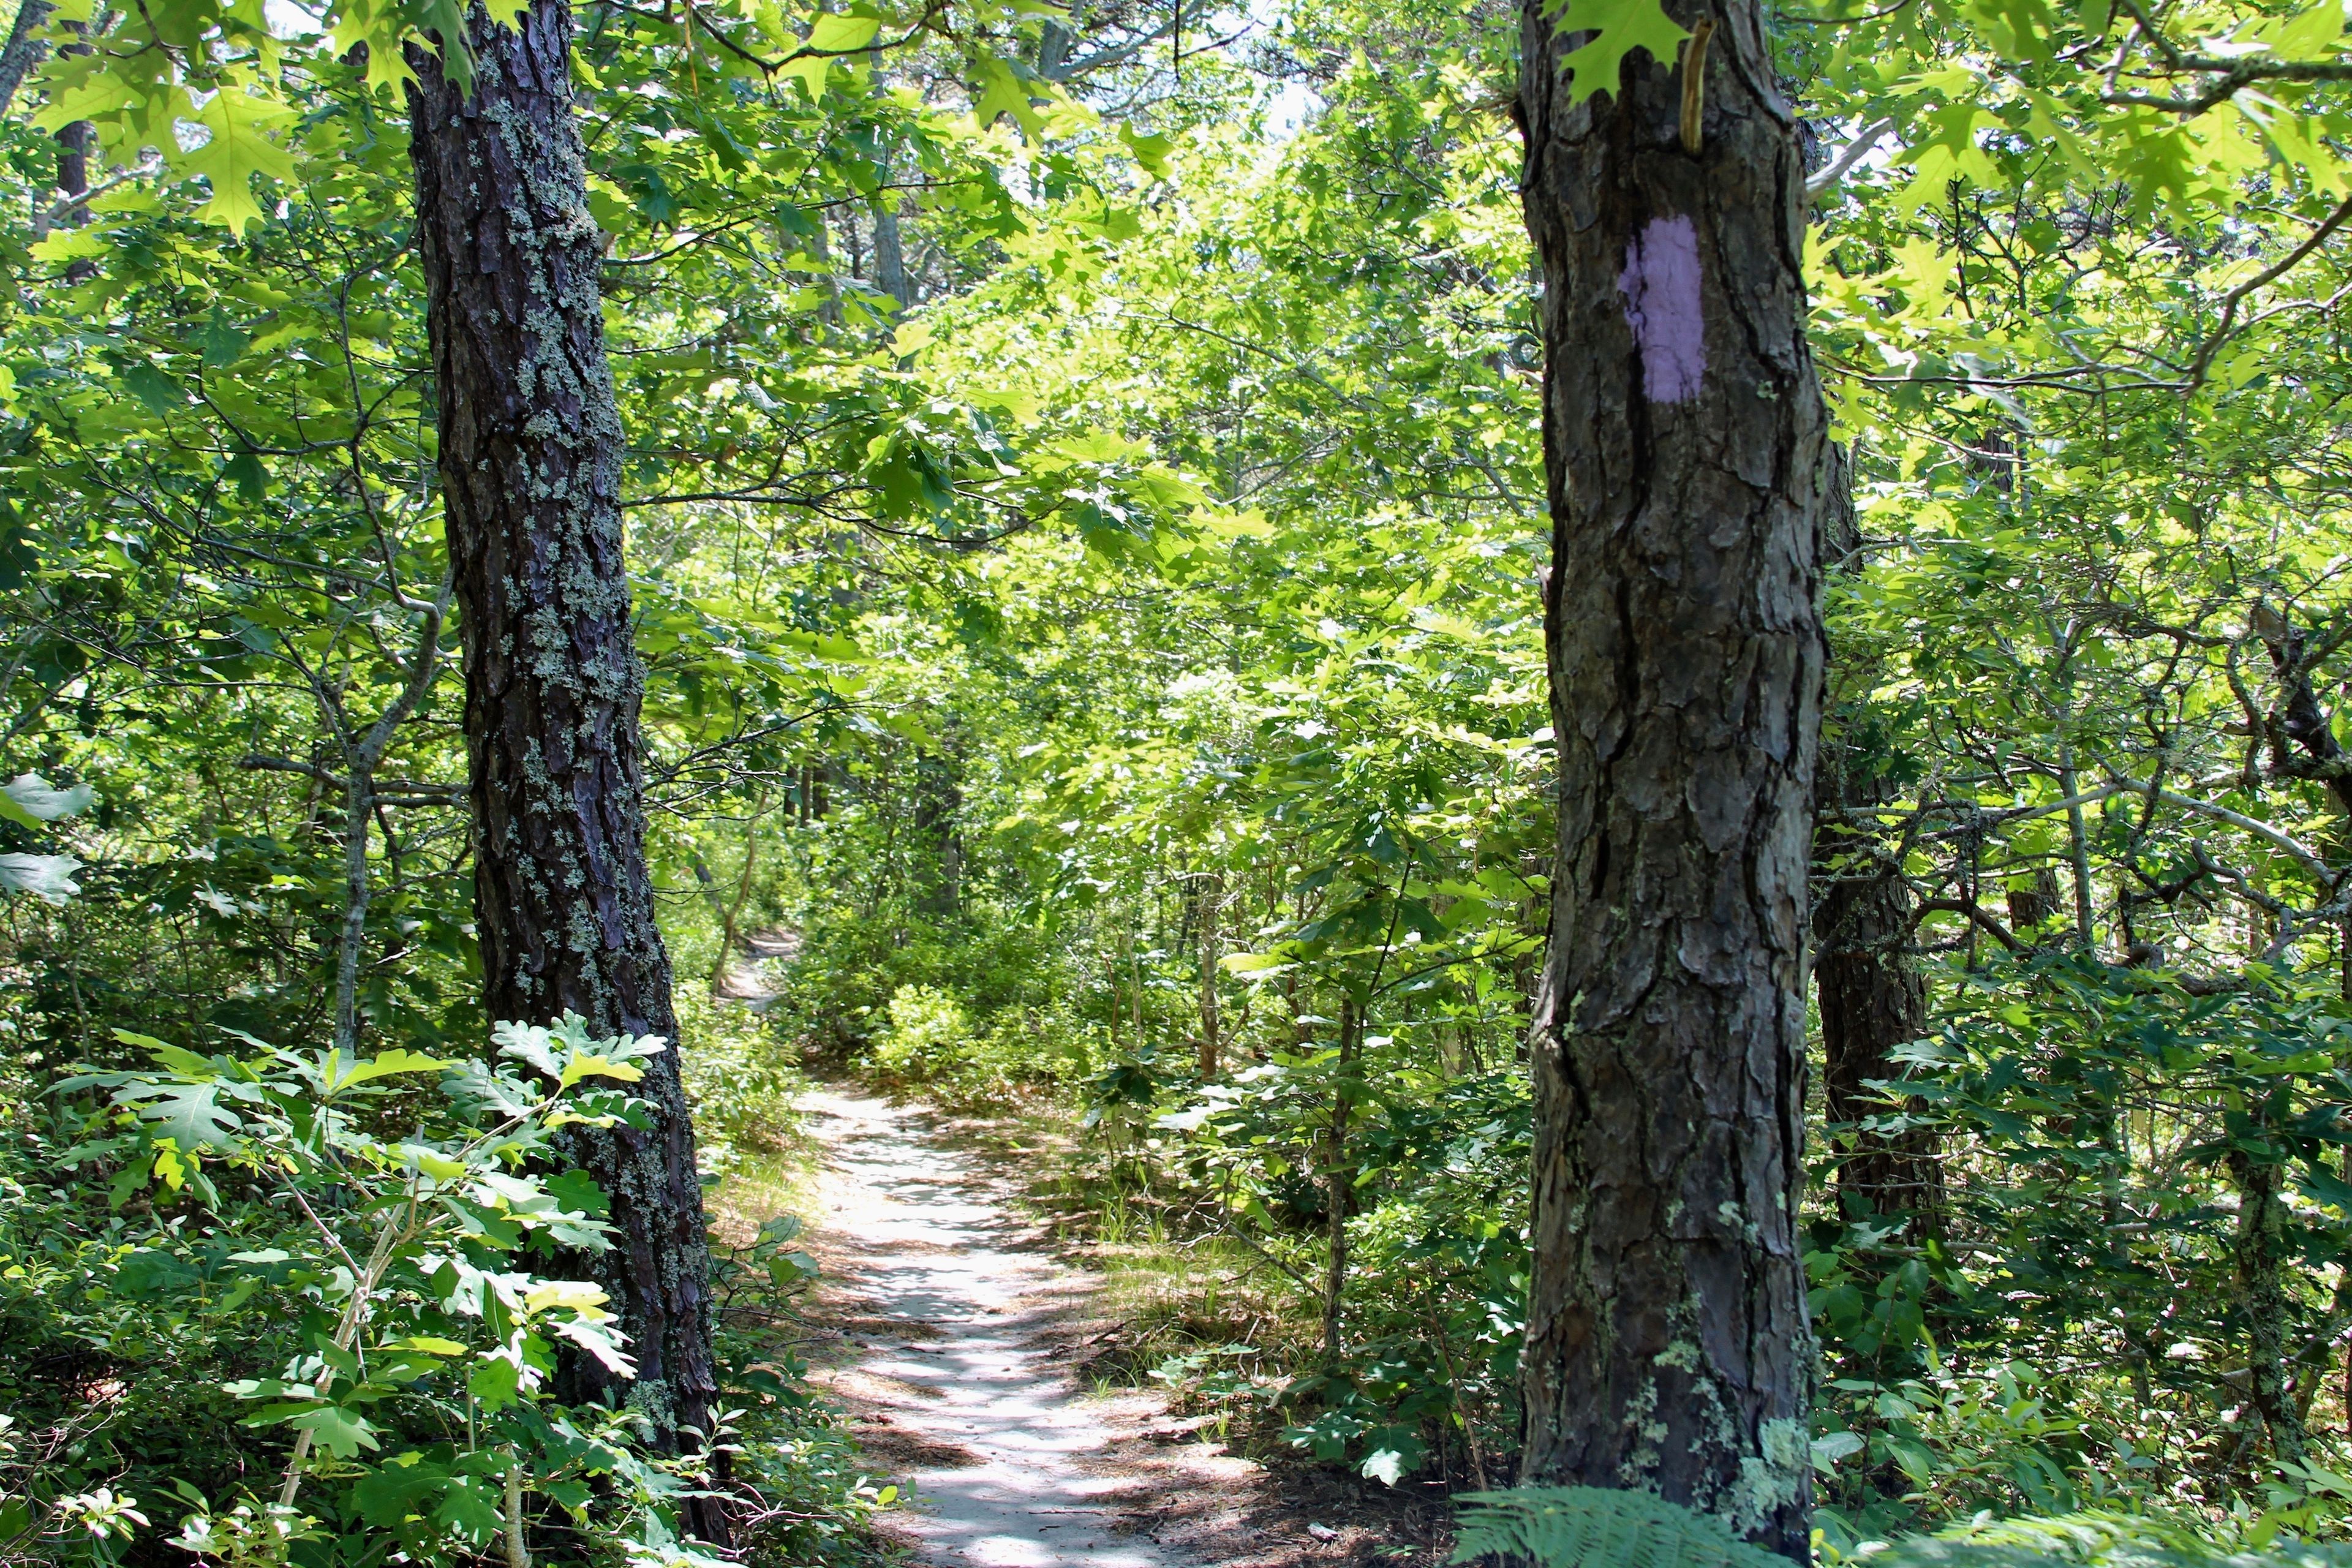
(2108, 1539)
(426, 1336)
(340, 1281)
(927, 1030)
(1587, 1527)
(740, 1082)
(2120, 1538)
(1115, 657)
(931, 1044)
(1617, 28)
(2099, 1303)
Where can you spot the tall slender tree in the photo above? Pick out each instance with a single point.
(1867, 984)
(1683, 439)
(531, 449)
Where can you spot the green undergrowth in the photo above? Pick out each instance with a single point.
(172, 1313)
(1225, 1327)
(819, 1493)
(1588, 1527)
(1188, 1308)
(744, 1085)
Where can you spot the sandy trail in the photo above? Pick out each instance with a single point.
(1002, 1448)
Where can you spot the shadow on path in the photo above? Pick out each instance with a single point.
(953, 1310)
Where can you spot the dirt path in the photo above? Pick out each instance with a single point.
(950, 1315)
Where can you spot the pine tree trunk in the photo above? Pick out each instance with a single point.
(76, 142)
(1667, 1342)
(530, 451)
(1873, 998)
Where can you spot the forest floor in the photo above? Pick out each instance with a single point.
(955, 1340)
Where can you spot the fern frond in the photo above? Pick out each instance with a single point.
(2096, 1538)
(1592, 1526)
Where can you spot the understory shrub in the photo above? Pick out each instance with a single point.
(930, 1041)
(305, 1314)
(741, 1080)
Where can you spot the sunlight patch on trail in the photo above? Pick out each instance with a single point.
(1000, 1437)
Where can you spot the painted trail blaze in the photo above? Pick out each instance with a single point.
(1660, 284)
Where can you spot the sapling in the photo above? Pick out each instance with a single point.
(445, 1323)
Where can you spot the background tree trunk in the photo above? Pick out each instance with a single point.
(76, 142)
(1667, 1343)
(1871, 995)
(530, 459)
(1340, 1180)
(1873, 999)
(937, 848)
(1210, 892)
(889, 251)
(23, 51)
(2259, 1252)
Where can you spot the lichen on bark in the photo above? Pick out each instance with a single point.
(530, 453)
(1685, 446)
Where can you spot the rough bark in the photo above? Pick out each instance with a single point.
(1667, 1343)
(23, 50)
(1053, 50)
(1871, 995)
(530, 451)
(2259, 1253)
(76, 142)
(1873, 999)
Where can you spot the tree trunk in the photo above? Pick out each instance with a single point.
(2299, 718)
(938, 846)
(23, 51)
(362, 756)
(1338, 1180)
(1872, 998)
(530, 456)
(1668, 1343)
(76, 142)
(890, 252)
(1212, 894)
(2259, 1252)
(2032, 907)
(730, 911)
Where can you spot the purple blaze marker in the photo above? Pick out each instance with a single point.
(1661, 287)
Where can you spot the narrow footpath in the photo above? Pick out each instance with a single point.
(949, 1309)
